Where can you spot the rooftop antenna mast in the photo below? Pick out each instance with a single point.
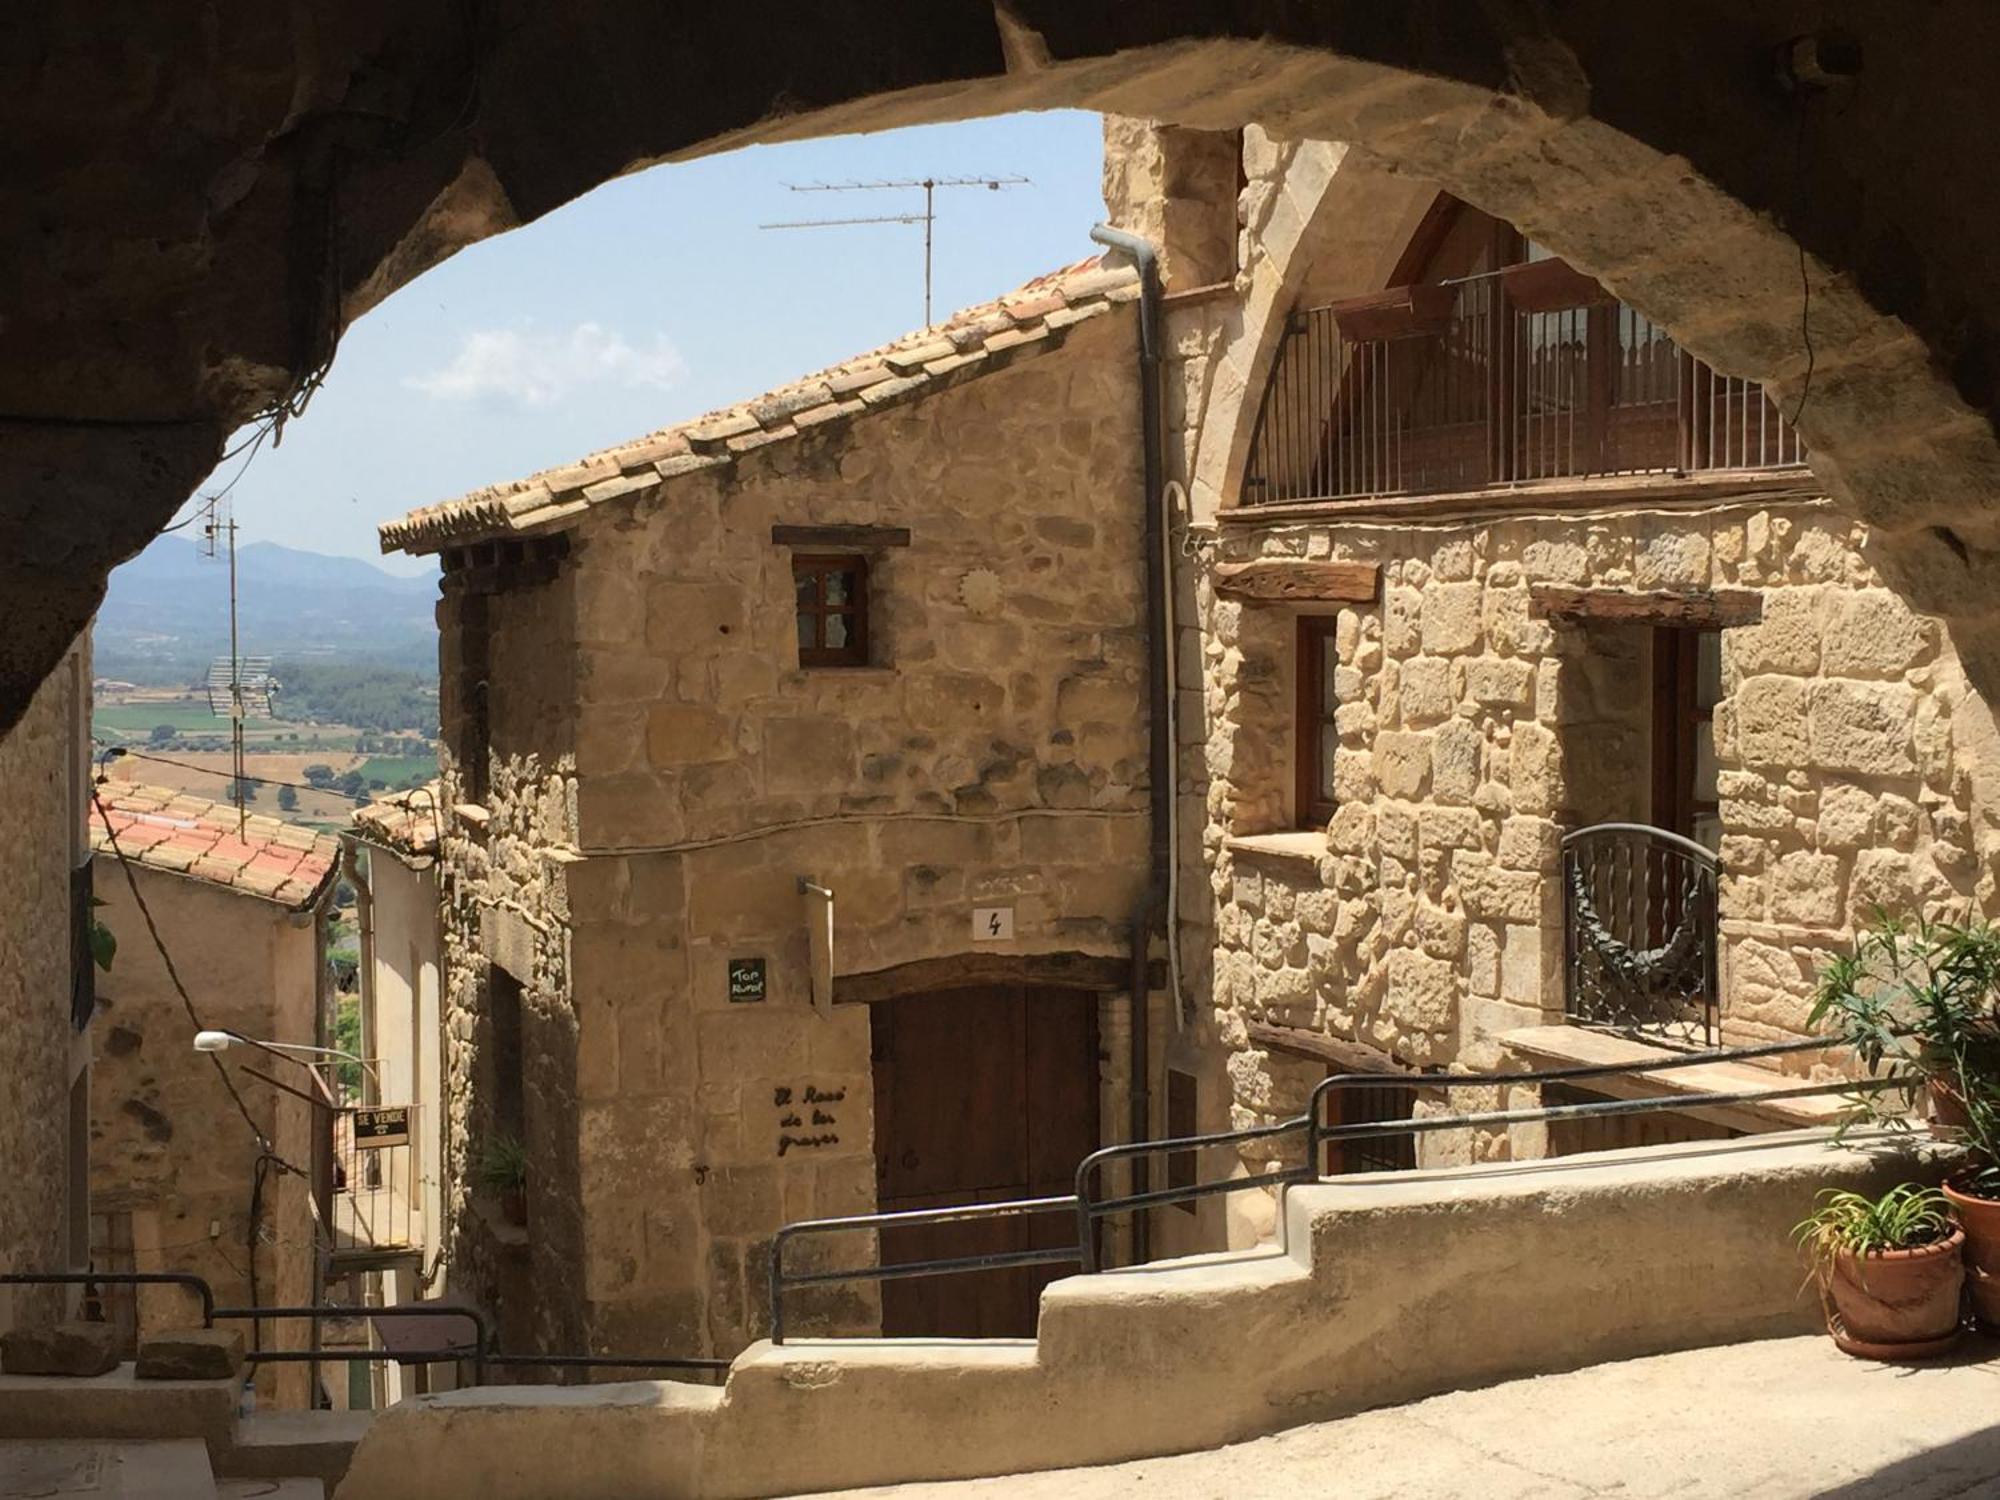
(927, 218)
(236, 687)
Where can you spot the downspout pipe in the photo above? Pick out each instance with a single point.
(1152, 913)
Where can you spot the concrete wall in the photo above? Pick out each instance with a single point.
(167, 1145)
(44, 774)
(663, 772)
(408, 1038)
(405, 1034)
(1393, 1288)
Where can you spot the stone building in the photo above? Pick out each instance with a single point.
(1478, 560)
(180, 1179)
(880, 634)
(46, 996)
(392, 857)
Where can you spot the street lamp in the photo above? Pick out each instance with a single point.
(222, 1041)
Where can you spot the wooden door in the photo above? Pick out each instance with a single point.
(981, 1095)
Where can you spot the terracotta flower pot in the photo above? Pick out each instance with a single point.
(1899, 1303)
(1947, 1109)
(1981, 1218)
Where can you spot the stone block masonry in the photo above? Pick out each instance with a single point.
(660, 773)
(1855, 770)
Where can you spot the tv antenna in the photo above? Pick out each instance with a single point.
(239, 687)
(927, 218)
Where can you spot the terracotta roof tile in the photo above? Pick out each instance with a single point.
(159, 829)
(406, 821)
(908, 369)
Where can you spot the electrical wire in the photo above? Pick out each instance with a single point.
(1805, 280)
(173, 974)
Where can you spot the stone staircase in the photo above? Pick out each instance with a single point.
(169, 1469)
(115, 1435)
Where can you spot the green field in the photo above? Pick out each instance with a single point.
(399, 770)
(188, 716)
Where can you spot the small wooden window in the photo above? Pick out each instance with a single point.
(1318, 660)
(832, 595)
(1687, 684)
(1370, 1104)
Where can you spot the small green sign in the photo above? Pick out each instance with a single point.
(746, 980)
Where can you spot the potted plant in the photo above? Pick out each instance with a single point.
(1920, 1005)
(1892, 1268)
(503, 1170)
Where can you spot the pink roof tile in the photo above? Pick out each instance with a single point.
(159, 829)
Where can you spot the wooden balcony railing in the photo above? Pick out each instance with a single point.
(1529, 374)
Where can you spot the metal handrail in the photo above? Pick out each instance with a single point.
(482, 1358)
(1012, 1208)
(186, 1279)
(1313, 1133)
(320, 1312)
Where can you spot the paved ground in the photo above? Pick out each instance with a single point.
(1779, 1420)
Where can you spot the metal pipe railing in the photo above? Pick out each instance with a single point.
(324, 1311)
(185, 1279)
(905, 1218)
(1499, 393)
(1313, 1133)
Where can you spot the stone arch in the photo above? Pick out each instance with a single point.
(1298, 209)
(433, 131)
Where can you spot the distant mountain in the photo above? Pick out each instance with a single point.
(167, 610)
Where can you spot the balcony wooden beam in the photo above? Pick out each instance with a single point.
(1702, 610)
(1296, 581)
(1335, 1052)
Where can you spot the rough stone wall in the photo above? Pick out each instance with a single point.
(1854, 769)
(993, 753)
(41, 767)
(166, 1144)
(501, 890)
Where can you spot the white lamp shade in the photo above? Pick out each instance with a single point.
(212, 1041)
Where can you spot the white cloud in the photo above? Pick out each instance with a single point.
(531, 368)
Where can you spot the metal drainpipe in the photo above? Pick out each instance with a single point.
(1159, 687)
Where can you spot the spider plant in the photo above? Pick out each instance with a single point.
(503, 1165)
(1906, 1217)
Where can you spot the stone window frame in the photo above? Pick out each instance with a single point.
(817, 567)
(1314, 657)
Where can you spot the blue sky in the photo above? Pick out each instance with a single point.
(650, 300)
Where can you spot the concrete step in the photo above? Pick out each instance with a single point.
(279, 1444)
(116, 1407)
(83, 1468)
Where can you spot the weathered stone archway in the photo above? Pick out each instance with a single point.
(204, 211)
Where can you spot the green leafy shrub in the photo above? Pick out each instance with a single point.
(1919, 1002)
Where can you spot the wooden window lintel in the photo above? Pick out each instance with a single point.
(1297, 581)
(1336, 1052)
(1705, 609)
(847, 537)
